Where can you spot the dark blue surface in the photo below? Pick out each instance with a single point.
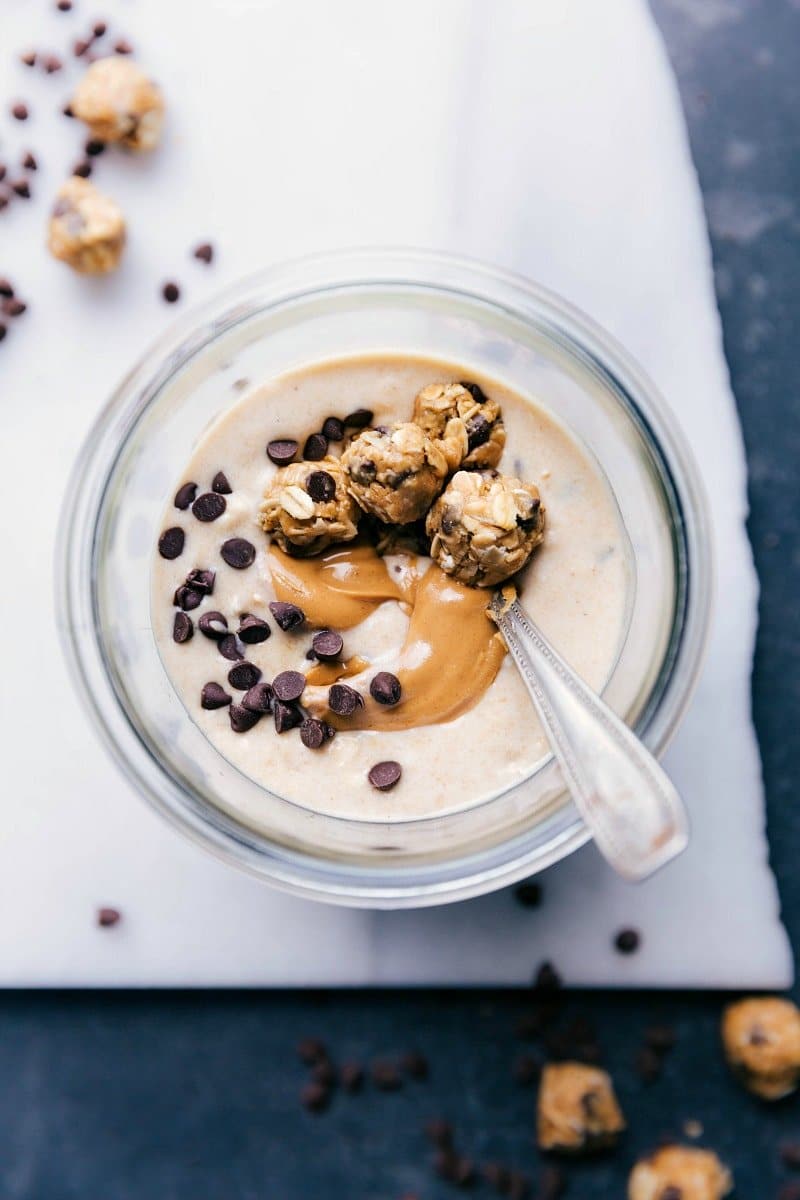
(182, 1097)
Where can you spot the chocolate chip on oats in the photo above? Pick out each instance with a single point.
(478, 432)
(182, 628)
(321, 486)
(171, 542)
(474, 391)
(108, 917)
(359, 419)
(171, 292)
(201, 580)
(242, 719)
(344, 700)
(316, 447)
(252, 630)
(209, 506)
(220, 484)
(287, 616)
(312, 733)
(627, 941)
(230, 648)
(333, 429)
(289, 685)
(385, 688)
(286, 716)
(187, 598)
(529, 894)
(259, 698)
(185, 495)
(204, 252)
(214, 696)
(238, 553)
(282, 451)
(327, 645)
(244, 676)
(384, 775)
(214, 625)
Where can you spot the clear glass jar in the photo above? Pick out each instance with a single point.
(327, 306)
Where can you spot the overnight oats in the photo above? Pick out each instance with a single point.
(320, 582)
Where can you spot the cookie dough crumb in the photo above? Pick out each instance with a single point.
(484, 527)
(467, 423)
(307, 507)
(761, 1036)
(87, 229)
(119, 103)
(578, 1111)
(395, 473)
(680, 1173)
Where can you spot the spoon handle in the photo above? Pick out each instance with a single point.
(635, 814)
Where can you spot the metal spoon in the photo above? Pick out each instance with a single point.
(636, 816)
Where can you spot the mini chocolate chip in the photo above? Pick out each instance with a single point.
(187, 598)
(185, 495)
(384, 775)
(214, 625)
(333, 429)
(385, 688)
(286, 716)
(758, 1037)
(99, 28)
(64, 5)
(439, 1132)
(6, 288)
(315, 1097)
(209, 506)
(478, 431)
(29, 161)
(529, 895)
(123, 46)
(287, 616)
(21, 188)
(3, 331)
(282, 451)
(238, 553)
(214, 696)
(351, 1075)
(4, 198)
(171, 292)
(476, 392)
(19, 111)
(244, 676)
(310, 1050)
(220, 484)
(201, 580)
(182, 628)
(108, 917)
(94, 147)
(80, 46)
(312, 733)
(67, 111)
(660, 1037)
(647, 1064)
(204, 252)
(28, 58)
(385, 1075)
(627, 941)
(415, 1064)
(252, 630)
(324, 1072)
(316, 447)
(552, 1183)
(14, 307)
(344, 700)
(230, 648)
(171, 542)
(790, 1154)
(289, 685)
(242, 719)
(327, 645)
(259, 698)
(82, 169)
(547, 978)
(321, 486)
(526, 1069)
(358, 419)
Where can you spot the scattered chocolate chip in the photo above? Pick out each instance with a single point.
(52, 63)
(344, 700)
(123, 46)
(21, 188)
(385, 1075)
(316, 447)
(182, 628)
(214, 625)
(527, 1070)
(4, 198)
(94, 147)
(82, 169)
(19, 111)
(384, 775)
(14, 307)
(214, 696)
(171, 542)
(351, 1075)
(415, 1065)
(497, 1176)
(385, 688)
(439, 1132)
(547, 978)
(209, 506)
(29, 162)
(790, 1154)
(64, 5)
(171, 292)
(444, 1164)
(244, 676)
(333, 429)
(660, 1037)
(238, 553)
(529, 895)
(324, 1072)
(286, 716)
(230, 647)
(3, 331)
(310, 1050)
(99, 28)
(220, 484)
(6, 289)
(259, 698)
(252, 630)
(2, 177)
(627, 941)
(289, 685)
(327, 645)
(320, 486)
(647, 1064)
(187, 598)
(282, 451)
(107, 917)
(204, 252)
(519, 1186)
(315, 1097)
(80, 46)
(312, 733)
(552, 1183)
(476, 392)
(287, 616)
(28, 58)
(360, 419)
(185, 495)
(242, 719)
(201, 580)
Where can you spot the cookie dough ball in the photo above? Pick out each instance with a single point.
(87, 229)
(120, 104)
(761, 1037)
(395, 474)
(307, 507)
(577, 1109)
(680, 1173)
(484, 527)
(468, 423)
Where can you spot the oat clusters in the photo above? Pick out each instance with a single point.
(578, 1111)
(680, 1173)
(440, 469)
(87, 229)
(308, 507)
(761, 1037)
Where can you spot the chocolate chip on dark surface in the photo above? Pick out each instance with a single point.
(171, 542)
(526, 1070)
(321, 486)
(439, 1132)
(230, 647)
(286, 716)
(29, 161)
(289, 685)
(385, 688)
(287, 616)
(790, 1154)
(385, 1075)
(547, 978)
(475, 391)
(187, 598)
(282, 450)
(259, 698)
(529, 894)
(242, 719)
(333, 429)
(94, 147)
(204, 252)
(214, 625)
(185, 495)
(182, 628)
(359, 419)
(252, 630)
(415, 1064)
(209, 506)
(497, 1176)
(220, 484)
(316, 447)
(171, 292)
(315, 1097)
(312, 733)
(519, 1186)
(660, 1037)
(108, 917)
(627, 941)
(310, 1050)
(647, 1064)
(243, 676)
(238, 553)
(82, 169)
(327, 645)
(478, 432)
(384, 775)
(351, 1075)
(552, 1183)
(324, 1072)
(19, 111)
(201, 580)
(214, 696)
(344, 700)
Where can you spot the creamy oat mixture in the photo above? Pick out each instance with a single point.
(463, 728)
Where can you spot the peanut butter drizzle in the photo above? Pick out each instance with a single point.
(451, 653)
(326, 673)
